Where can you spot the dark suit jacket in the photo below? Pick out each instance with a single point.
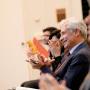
(76, 68)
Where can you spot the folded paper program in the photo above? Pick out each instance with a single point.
(37, 47)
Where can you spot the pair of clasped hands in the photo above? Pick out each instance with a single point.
(37, 60)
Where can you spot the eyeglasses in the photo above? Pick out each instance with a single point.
(46, 35)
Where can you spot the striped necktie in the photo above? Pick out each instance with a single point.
(62, 64)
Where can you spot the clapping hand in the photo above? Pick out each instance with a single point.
(47, 82)
(37, 61)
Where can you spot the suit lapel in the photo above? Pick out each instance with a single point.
(82, 45)
(61, 66)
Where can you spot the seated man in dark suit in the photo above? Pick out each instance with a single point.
(75, 67)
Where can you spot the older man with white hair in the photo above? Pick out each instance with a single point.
(72, 71)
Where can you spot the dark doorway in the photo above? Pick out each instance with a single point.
(85, 8)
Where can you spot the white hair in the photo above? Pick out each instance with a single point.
(73, 24)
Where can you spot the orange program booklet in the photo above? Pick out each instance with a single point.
(37, 47)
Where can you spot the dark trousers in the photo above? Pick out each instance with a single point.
(31, 84)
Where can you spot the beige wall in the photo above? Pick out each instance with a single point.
(39, 14)
(13, 68)
(74, 8)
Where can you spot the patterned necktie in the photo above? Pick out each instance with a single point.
(62, 64)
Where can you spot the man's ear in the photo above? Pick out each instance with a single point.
(77, 32)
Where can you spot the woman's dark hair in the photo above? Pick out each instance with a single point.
(55, 33)
(50, 29)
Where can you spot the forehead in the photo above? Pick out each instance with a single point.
(63, 29)
(47, 33)
(63, 25)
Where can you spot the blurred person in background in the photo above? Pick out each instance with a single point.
(56, 48)
(47, 36)
(46, 33)
(72, 71)
(47, 82)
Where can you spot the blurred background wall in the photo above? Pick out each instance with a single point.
(13, 68)
(42, 13)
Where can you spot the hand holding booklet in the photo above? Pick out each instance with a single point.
(38, 54)
(37, 47)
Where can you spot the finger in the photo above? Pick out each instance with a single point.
(51, 79)
(42, 84)
(41, 58)
(51, 60)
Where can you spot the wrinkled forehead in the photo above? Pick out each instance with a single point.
(71, 23)
(63, 24)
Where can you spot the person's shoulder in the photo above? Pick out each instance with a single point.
(82, 55)
(83, 49)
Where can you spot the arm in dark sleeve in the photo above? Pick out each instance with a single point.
(56, 62)
(77, 71)
(45, 69)
(54, 65)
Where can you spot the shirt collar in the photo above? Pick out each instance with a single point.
(72, 50)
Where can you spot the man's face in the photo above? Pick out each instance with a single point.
(46, 37)
(67, 38)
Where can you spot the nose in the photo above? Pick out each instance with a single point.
(61, 38)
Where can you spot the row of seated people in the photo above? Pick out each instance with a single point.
(69, 57)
